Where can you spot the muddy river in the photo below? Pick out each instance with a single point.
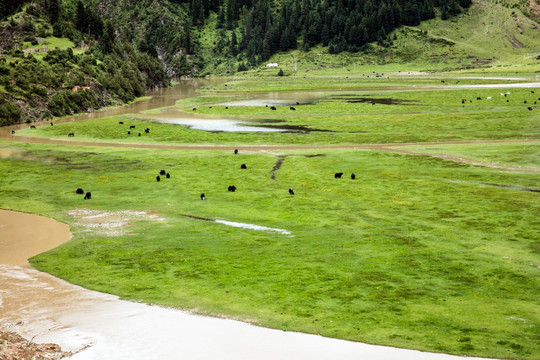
(101, 326)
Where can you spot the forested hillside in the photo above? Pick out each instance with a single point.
(115, 50)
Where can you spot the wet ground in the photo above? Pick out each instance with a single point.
(100, 326)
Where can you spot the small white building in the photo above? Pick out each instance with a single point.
(272, 65)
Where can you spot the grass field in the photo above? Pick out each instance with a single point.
(417, 252)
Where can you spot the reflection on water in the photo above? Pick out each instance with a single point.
(167, 97)
(217, 125)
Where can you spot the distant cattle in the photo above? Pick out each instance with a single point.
(463, 101)
(292, 108)
(297, 103)
(162, 172)
(129, 132)
(121, 122)
(194, 108)
(209, 107)
(168, 176)
(478, 98)
(52, 124)
(273, 108)
(226, 107)
(12, 132)
(71, 134)
(353, 176)
(488, 98)
(131, 127)
(79, 191)
(524, 101)
(338, 175)
(530, 108)
(32, 127)
(235, 151)
(139, 134)
(243, 166)
(147, 130)
(291, 191)
(532, 91)
(231, 188)
(203, 197)
(158, 178)
(88, 196)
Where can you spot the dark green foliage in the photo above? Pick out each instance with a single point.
(9, 112)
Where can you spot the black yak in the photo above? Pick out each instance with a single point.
(88, 196)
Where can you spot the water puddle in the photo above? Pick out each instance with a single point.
(362, 99)
(217, 125)
(240, 225)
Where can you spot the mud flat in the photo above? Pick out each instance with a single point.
(101, 326)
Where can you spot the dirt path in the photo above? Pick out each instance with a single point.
(392, 147)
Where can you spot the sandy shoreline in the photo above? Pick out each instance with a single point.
(100, 326)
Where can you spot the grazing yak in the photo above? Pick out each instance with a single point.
(71, 134)
(353, 176)
(292, 108)
(52, 124)
(88, 196)
(194, 108)
(168, 176)
(231, 188)
(235, 151)
(338, 175)
(147, 130)
(79, 191)
(32, 126)
(12, 132)
(131, 127)
(530, 108)
(243, 166)
(129, 132)
(203, 197)
(291, 191)
(121, 122)
(162, 172)
(158, 178)
(273, 108)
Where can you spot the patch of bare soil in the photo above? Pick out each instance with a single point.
(15, 347)
(110, 223)
(535, 7)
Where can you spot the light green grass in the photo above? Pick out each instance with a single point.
(413, 253)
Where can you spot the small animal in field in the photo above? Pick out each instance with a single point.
(32, 126)
(168, 176)
(147, 130)
(121, 122)
(71, 134)
(131, 127)
(79, 191)
(231, 188)
(273, 108)
(129, 132)
(530, 108)
(158, 178)
(292, 108)
(243, 166)
(291, 191)
(12, 132)
(88, 196)
(353, 176)
(338, 175)
(203, 197)
(139, 134)
(52, 124)
(235, 151)
(162, 172)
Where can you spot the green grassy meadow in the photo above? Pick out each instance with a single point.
(417, 252)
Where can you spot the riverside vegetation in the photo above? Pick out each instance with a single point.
(419, 251)
(416, 252)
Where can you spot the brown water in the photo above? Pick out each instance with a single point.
(25, 235)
